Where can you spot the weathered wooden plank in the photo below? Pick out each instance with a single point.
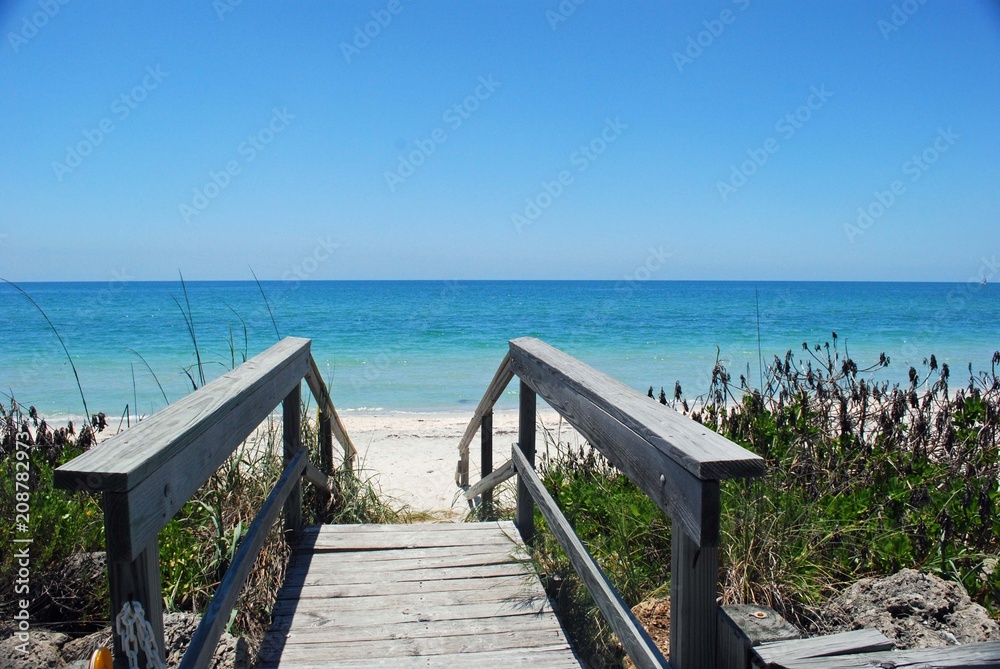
(351, 563)
(378, 537)
(393, 600)
(501, 379)
(509, 569)
(417, 573)
(206, 439)
(384, 541)
(500, 548)
(179, 431)
(314, 379)
(491, 481)
(733, 648)
(758, 624)
(950, 657)
(524, 515)
(422, 528)
(315, 476)
(513, 589)
(554, 657)
(683, 496)
(405, 587)
(844, 643)
(631, 634)
(474, 598)
(330, 617)
(339, 545)
(694, 577)
(741, 626)
(469, 533)
(707, 455)
(213, 623)
(419, 646)
(414, 630)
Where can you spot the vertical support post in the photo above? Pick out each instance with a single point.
(525, 517)
(291, 414)
(486, 458)
(135, 581)
(694, 575)
(325, 439)
(463, 468)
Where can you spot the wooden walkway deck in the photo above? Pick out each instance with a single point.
(422, 595)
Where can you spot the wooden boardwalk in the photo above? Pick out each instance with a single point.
(422, 595)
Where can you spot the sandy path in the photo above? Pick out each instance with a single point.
(413, 456)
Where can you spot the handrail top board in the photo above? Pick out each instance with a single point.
(128, 458)
(701, 451)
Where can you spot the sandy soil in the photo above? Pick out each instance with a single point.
(413, 456)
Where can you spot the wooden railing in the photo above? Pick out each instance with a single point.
(148, 472)
(676, 461)
(482, 420)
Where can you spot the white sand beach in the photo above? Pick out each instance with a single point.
(413, 456)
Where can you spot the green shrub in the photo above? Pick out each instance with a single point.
(59, 524)
(863, 478)
(196, 546)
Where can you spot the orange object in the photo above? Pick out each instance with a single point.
(101, 659)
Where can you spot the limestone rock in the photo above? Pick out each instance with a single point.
(44, 650)
(913, 610)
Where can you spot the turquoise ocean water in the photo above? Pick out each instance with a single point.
(434, 345)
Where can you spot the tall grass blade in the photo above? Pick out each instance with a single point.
(86, 411)
(267, 304)
(135, 397)
(189, 321)
(760, 351)
(246, 337)
(158, 385)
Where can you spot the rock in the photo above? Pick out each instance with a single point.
(231, 653)
(912, 609)
(82, 648)
(178, 628)
(43, 650)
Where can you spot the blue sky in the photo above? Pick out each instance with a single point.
(853, 140)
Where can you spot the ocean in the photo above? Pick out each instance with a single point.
(412, 346)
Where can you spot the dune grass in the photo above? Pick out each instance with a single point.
(196, 546)
(863, 478)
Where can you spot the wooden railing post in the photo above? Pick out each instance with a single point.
(291, 414)
(137, 580)
(525, 518)
(501, 379)
(325, 440)
(486, 459)
(694, 574)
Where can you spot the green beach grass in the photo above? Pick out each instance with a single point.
(863, 479)
(196, 546)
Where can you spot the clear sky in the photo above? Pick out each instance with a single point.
(730, 139)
